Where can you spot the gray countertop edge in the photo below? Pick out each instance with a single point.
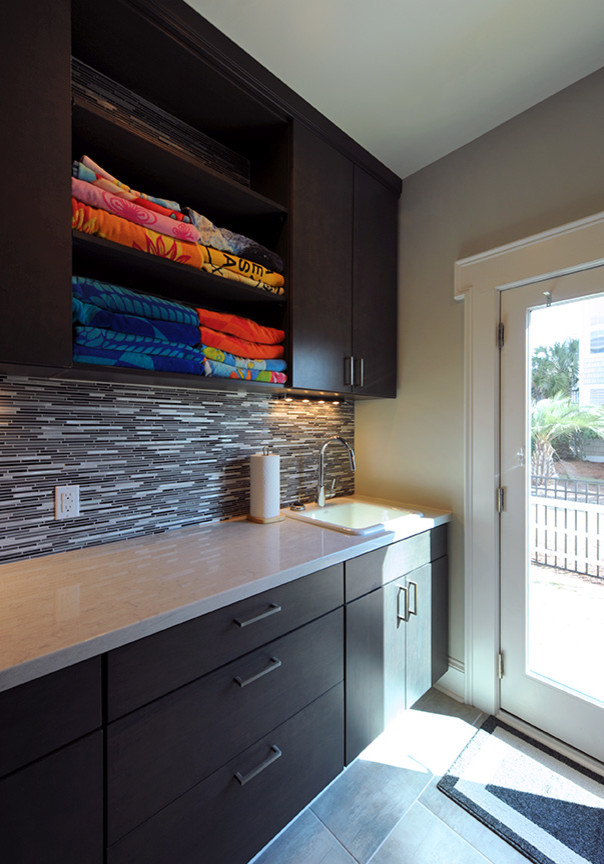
(100, 643)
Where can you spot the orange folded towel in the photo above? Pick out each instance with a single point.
(91, 220)
(240, 347)
(244, 328)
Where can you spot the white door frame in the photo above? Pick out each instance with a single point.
(478, 281)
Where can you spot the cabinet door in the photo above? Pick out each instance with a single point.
(52, 811)
(374, 280)
(396, 659)
(321, 221)
(419, 634)
(426, 628)
(375, 665)
(364, 672)
(35, 242)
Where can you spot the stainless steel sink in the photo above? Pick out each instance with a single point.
(351, 516)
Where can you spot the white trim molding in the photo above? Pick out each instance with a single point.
(452, 682)
(478, 282)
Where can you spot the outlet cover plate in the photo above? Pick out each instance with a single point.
(67, 502)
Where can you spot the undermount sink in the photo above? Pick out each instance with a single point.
(354, 517)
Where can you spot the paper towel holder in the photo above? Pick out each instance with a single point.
(265, 520)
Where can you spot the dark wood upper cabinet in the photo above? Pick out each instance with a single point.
(311, 193)
(321, 262)
(374, 286)
(35, 244)
(344, 273)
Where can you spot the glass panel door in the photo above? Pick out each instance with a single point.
(552, 527)
(566, 495)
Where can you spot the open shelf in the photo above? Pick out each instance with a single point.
(101, 259)
(145, 377)
(156, 166)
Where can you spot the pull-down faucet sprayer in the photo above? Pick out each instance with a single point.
(321, 484)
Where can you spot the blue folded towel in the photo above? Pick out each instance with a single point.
(114, 298)
(93, 316)
(135, 360)
(93, 337)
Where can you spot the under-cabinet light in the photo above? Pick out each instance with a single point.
(308, 400)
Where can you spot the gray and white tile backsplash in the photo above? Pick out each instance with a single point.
(147, 459)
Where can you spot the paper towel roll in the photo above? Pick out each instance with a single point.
(264, 488)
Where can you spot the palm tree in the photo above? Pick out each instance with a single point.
(555, 369)
(553, 423)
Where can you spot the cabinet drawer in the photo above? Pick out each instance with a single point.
(221, 820)
(45, 714)
(158, 752)
(52, 811)
(151, 667)
(369, 571)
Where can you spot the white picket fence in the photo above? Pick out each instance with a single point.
(567, 535)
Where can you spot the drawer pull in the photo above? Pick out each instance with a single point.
(272, 610)
(402, 589)
(274, 663)
(245, 778)
(413, 594)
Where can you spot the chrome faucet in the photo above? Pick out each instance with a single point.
(353, 465)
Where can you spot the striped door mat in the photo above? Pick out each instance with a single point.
(547, 807)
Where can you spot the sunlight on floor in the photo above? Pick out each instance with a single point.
(420, 741)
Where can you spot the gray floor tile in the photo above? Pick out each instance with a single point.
(436, 702)
(366, 802)
(434, 736)
(305, 841)
(421, 838)
(470, 828)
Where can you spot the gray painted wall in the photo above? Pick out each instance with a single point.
(542, 169)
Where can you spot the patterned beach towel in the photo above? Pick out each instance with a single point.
(93, 337)
(115, 298)
(92, 316)
(223, 370)
(100, 223)
(128, 209)
(135, 360)
(242, 362)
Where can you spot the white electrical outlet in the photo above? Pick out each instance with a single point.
(67, 502)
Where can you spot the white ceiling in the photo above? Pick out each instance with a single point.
(412, 80)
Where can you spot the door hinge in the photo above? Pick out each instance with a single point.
(500, 335)
(500, 499)
(500, 669)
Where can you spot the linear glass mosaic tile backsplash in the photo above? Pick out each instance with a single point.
(148, 459)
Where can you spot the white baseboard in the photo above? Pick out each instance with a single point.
(452, 682)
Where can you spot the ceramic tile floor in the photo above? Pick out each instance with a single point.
(385, 807)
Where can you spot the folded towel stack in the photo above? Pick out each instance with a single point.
(105, 207)
(114, 326)
(236, 347)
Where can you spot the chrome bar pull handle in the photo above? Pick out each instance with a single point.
(348, 371)
(272, 610)
(359, 378)
(404, 592)
(412, 594)
(274, 664)
(242, 779)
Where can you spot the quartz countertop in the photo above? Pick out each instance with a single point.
(59, 609)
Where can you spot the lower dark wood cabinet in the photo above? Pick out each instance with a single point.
(52, 811)
(375, 666)
(159, 752)
(238, 809)
(396, 636)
